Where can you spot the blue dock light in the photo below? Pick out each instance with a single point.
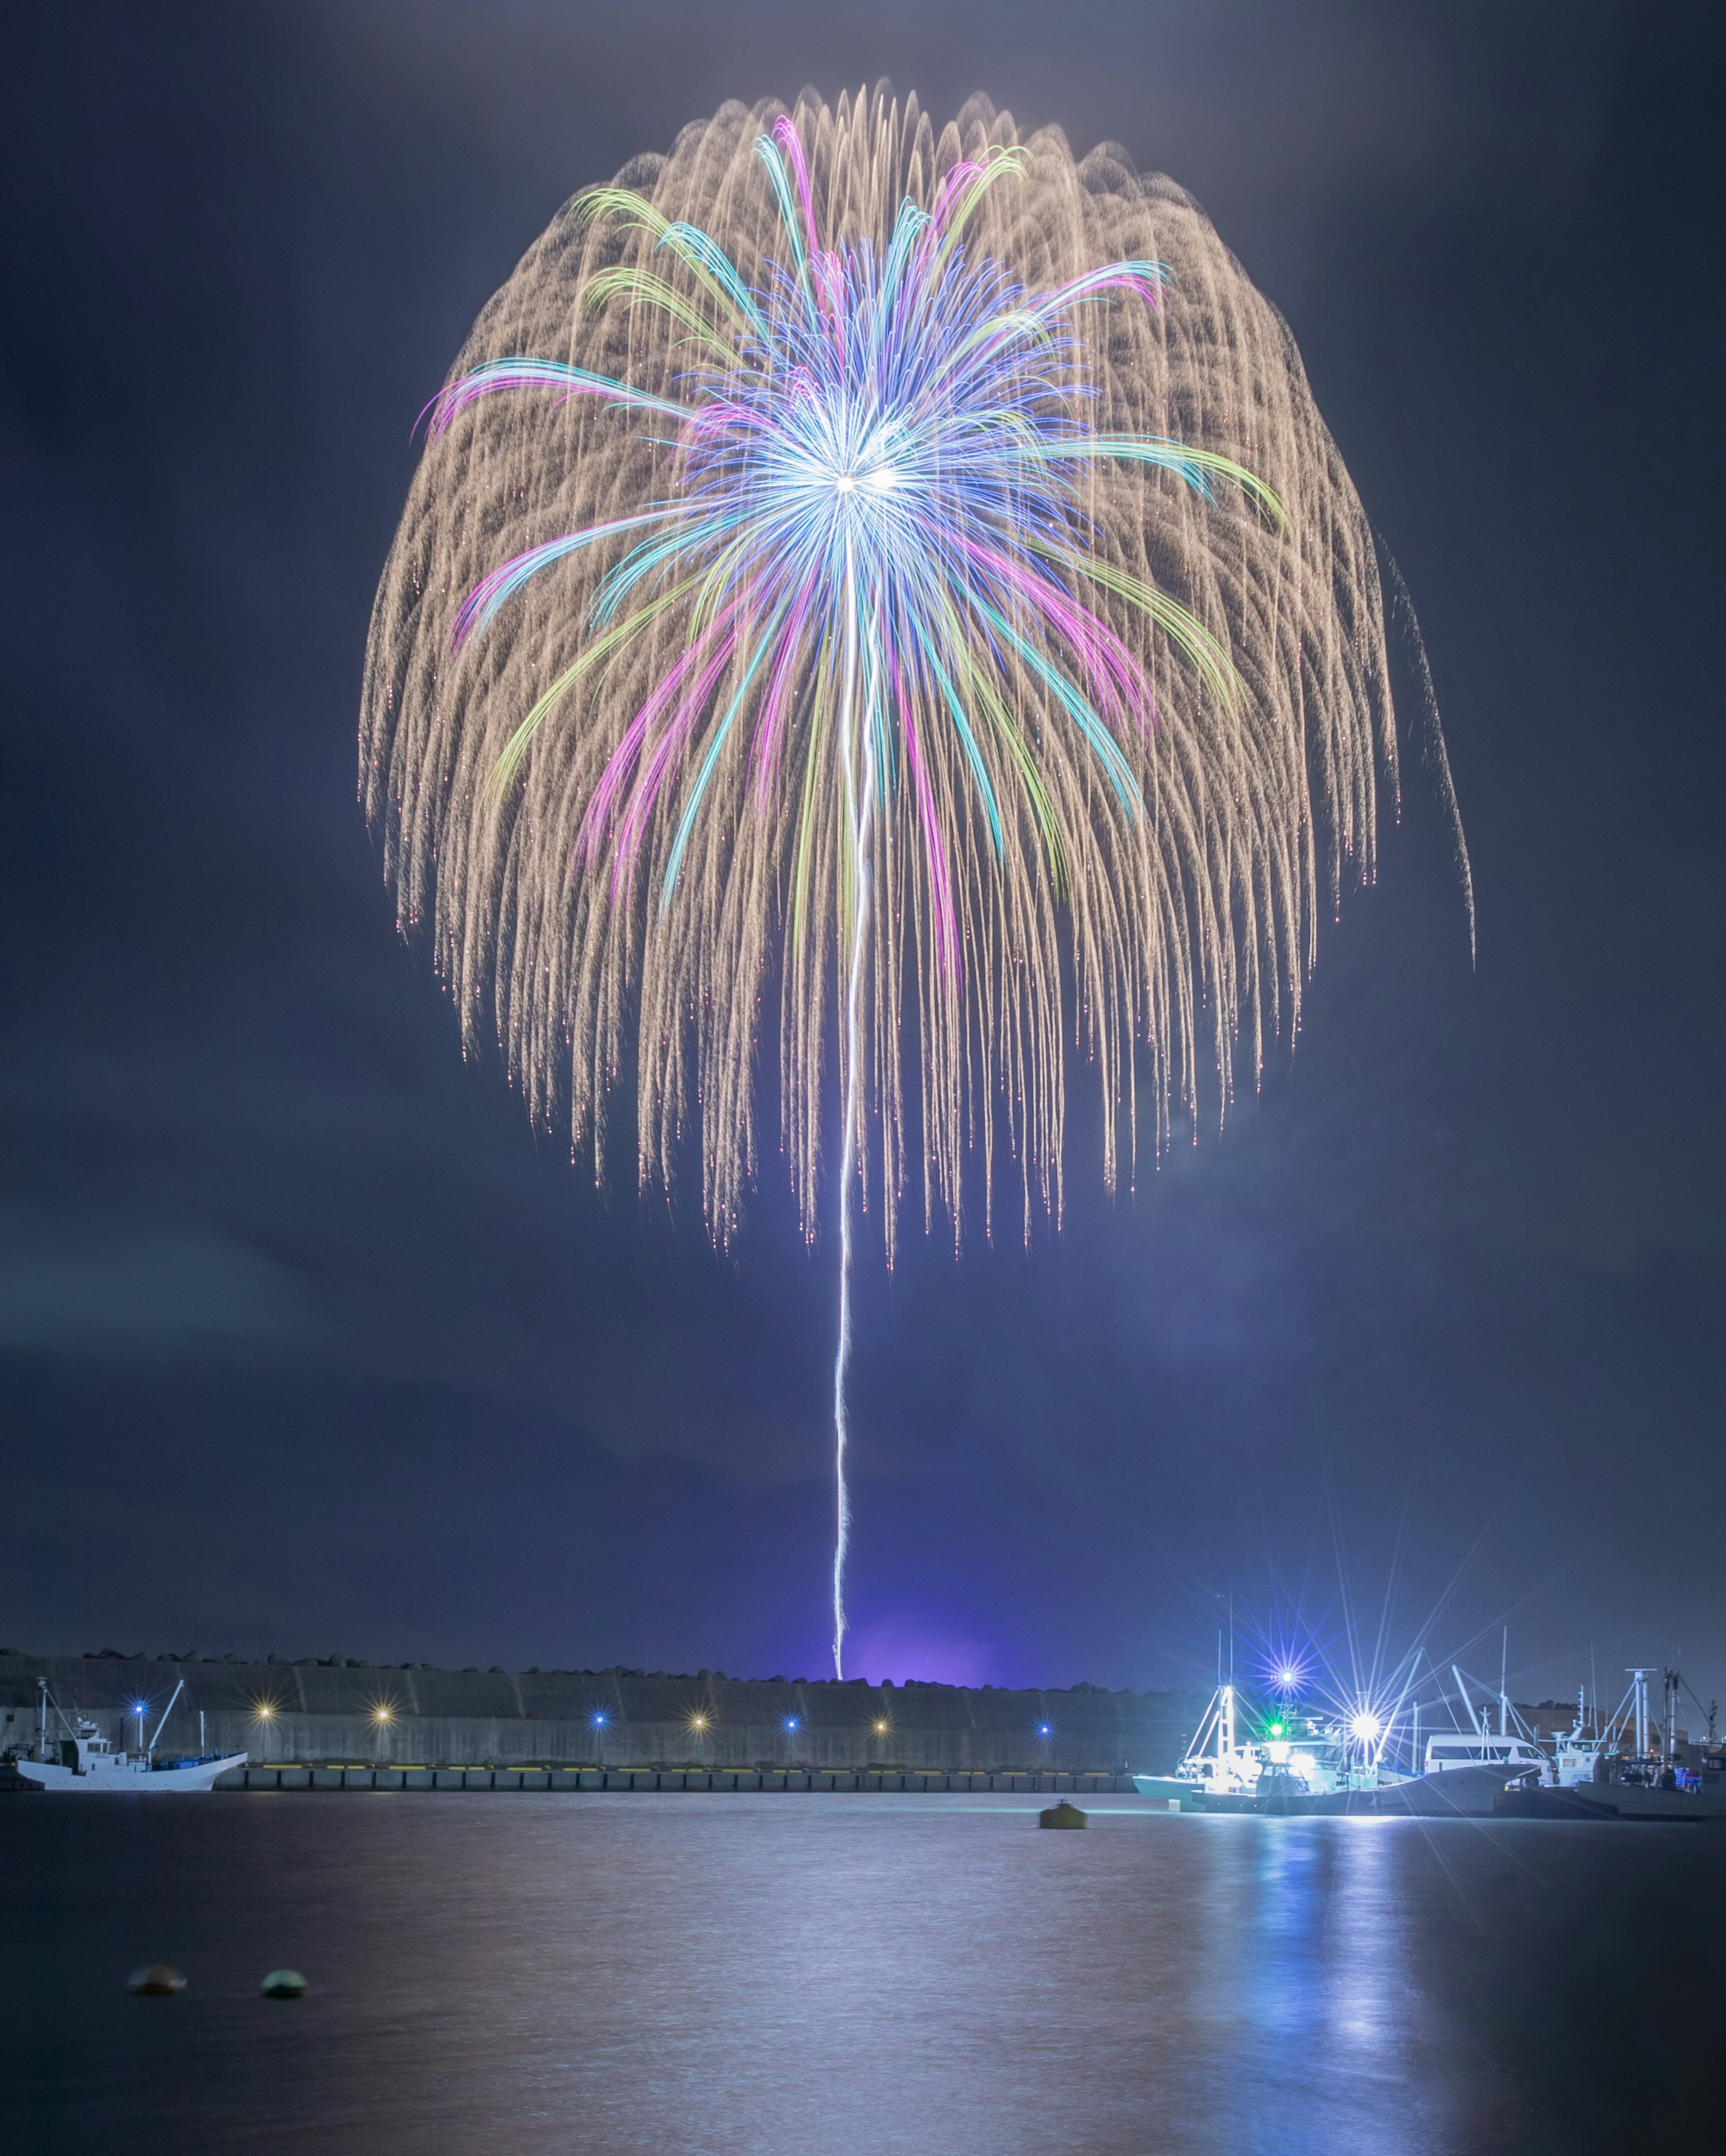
(791, 1721)
(1042, 1729)
(599, 1722)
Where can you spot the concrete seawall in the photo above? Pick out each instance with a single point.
(627, 1781)
(301, 1712)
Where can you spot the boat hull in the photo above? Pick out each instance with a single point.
(123, 1780)
(1611, 1800)
(1459, 1793)
(1166, 1789)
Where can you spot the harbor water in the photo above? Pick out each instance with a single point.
(646, 1974)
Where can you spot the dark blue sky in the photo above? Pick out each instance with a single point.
(306, 1342)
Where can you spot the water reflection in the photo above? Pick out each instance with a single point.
(1295, 2001)
(743, 1973)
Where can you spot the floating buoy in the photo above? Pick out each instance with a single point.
(1062, 1814)
(157, 1981)
(284, 1983)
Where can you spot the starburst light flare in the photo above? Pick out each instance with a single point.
(899, 580)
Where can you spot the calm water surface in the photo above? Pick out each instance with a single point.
(720, 1973)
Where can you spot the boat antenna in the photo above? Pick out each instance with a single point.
(1711, 1710)
(1504, 1685)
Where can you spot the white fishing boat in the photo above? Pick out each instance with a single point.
(1510, 1747)
(1295, 1756)
(1631, 1768)
(1280, 1758)
(1628, 1749)
(1468, 1767)
(1218, 1772)
(75, 1756)
(1517, 1755)
(1581, 1754)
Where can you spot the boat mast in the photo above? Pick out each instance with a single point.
(166, 1712)
(1477, 1718)
(1639, 1678)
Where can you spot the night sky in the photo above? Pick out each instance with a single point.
(308, 1344)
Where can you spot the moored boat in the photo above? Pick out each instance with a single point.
(1293, 1763)
(1287, 1762)
(76, 1757)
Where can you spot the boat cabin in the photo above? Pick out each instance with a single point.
(82, 1752)
(1515, 1754)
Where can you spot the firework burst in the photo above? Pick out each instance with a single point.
(908, 574)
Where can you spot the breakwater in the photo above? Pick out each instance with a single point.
(345, 1713)
(875, 1781)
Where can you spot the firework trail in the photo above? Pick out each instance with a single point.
(904, 577)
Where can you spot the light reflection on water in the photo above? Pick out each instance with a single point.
(744, 1972)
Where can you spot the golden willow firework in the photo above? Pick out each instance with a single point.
(882, 577)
